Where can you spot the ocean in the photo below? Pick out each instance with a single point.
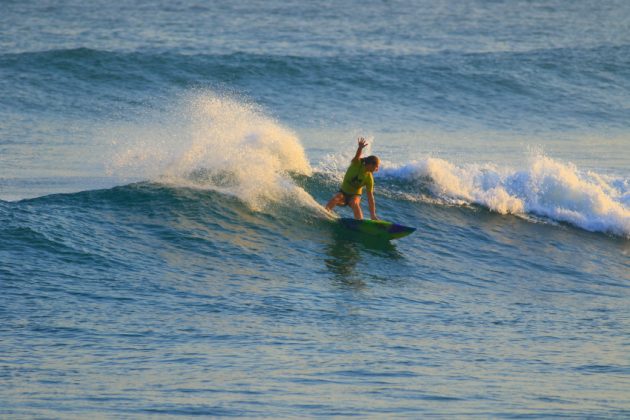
(164, 251)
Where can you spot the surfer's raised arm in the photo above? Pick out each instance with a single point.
(362, 145)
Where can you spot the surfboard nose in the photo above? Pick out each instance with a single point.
(395, 228)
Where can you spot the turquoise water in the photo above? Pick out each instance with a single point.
(164, 251)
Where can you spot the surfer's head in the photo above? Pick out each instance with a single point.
(371, 163)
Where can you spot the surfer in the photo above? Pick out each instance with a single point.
(358, 175)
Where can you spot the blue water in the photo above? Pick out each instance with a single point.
(164, 252)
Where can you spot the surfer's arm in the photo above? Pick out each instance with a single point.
(372, 204)
(362, 145)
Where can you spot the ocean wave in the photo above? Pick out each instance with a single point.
(227, 144)
(501, 87)
(545, 190)
(545, 187)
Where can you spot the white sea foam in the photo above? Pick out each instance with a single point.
(544, 187)
(215, 141)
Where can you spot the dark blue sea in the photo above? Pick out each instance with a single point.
(164, 252)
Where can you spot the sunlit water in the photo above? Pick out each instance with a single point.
(163, 246)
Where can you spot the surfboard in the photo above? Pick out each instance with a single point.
(379, 228)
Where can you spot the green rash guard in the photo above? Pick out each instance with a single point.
(356, 178)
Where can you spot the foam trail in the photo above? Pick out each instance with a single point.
(546, 187)
(218, 142)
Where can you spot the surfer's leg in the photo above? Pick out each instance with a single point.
(355, 205)
(335, 201)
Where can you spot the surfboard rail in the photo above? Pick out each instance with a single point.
(380, 228)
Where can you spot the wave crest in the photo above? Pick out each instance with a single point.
(546, 187)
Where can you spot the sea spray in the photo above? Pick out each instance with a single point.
(207, 140)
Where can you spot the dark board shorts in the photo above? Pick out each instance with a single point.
(347, 197)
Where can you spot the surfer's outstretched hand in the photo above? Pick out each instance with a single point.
(362, 145)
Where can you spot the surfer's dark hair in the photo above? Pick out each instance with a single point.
(370, 160)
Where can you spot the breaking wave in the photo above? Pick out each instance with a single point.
(544, 187)
(215, 142)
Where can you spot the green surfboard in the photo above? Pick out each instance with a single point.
(379, 228)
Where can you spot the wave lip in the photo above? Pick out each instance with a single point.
(546, 187)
